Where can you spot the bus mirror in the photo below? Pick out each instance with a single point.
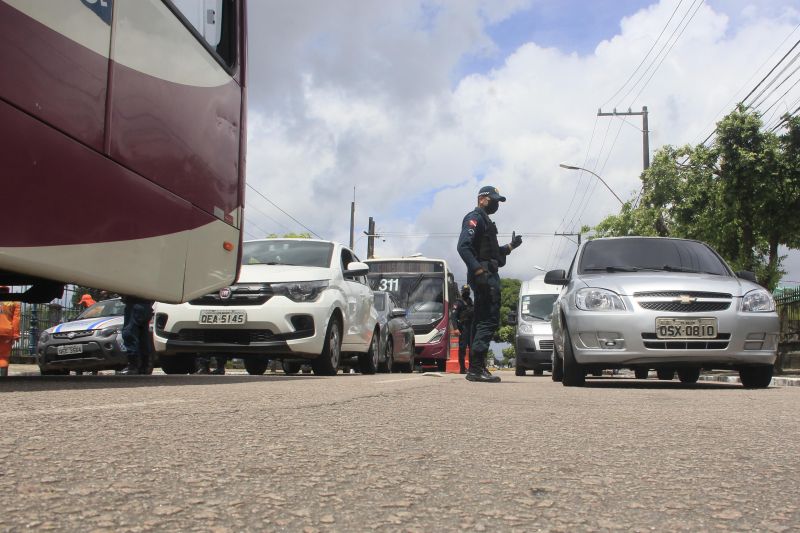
(556, 277)
(512, 318)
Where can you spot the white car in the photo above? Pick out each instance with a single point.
(295, 299)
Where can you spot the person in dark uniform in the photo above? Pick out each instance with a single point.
(483, 256)
(463, 311)
(135, 334)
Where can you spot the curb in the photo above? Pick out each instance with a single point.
(777, 381)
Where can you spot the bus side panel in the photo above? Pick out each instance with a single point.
(208, 265)
(54, 60)
(79, 217)
(176, 113)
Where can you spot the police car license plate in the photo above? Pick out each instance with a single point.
(223, 317)
(68, 349)
(686, 328)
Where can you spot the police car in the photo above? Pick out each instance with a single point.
(93, 341)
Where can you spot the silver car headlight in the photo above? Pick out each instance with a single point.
(525, 328)
(591, 299)
(758, 301)
(300, 291)
(108, 332)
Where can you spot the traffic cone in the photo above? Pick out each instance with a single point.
(452, 366)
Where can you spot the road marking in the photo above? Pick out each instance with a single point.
(67, 410)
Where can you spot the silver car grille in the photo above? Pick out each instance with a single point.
(652, 342)
(73, 334)
(545, 345)
(683, 301)
(678, 307)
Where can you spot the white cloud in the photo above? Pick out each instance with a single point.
(360, 94)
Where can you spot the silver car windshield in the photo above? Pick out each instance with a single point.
(637, 254)
(287, 252)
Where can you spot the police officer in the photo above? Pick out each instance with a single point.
(483, 256)
(136, 335)
(464, 309)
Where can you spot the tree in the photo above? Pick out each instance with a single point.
(509, 296)
(740, 195)
(508, 354)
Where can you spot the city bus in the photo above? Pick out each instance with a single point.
(427, 290)
(122, 141)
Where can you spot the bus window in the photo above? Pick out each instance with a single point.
(214, 22)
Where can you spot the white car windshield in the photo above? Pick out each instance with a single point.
(103, 309)
(287, 252)
(537, 306)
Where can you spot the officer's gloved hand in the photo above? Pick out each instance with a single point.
(482, 280)
(516, 240)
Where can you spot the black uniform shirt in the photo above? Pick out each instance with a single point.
(474, 229)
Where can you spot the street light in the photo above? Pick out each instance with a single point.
(573, 167)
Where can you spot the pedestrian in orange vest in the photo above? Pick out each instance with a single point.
(9, 330)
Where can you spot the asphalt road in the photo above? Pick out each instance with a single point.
(395, 452)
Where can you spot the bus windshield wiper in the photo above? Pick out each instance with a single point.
(611, 269)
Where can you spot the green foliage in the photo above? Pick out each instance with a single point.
(509, 353)
(509, 296)
(741, 195)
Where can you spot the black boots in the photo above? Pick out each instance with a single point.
(477, 370)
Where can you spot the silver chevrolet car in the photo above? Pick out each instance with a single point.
(672, 305)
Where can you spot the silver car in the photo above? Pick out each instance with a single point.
(659, 303)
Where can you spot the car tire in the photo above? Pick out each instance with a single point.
(641, 372)
(290, 367)
(558, 367)
(689, 375)
(54, 372)
(368, 362)
(179, 364)
(327, 364)
(388, 361)
(756, 377)
(538, 371)
(665, 374)
(574, 376)
(256, 366)
(519, 371)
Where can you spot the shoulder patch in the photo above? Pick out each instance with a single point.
(472, 223)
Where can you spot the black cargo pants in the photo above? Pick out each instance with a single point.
(485, 320)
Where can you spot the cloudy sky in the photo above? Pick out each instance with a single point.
(418, 103)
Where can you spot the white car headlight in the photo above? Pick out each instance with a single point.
(591, 299)
(438, 336)
(525, 328)
(758, 301)
(300, 291)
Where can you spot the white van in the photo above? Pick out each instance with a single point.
(533, 341)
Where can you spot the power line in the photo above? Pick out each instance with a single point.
(663, 47)
(645, 56)
(646, 83)
(781, 60)
(279, 208)
(253, 206)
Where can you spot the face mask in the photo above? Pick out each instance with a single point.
(492, 207)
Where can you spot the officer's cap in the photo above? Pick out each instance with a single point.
(492, 193)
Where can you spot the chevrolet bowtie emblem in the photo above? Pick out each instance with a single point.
(686, 299)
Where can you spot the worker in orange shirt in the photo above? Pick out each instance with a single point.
(86, 301)
(9, 330)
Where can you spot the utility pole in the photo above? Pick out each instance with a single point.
(578, 235)
(352, 219)
(645, 129)
(371, 239)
